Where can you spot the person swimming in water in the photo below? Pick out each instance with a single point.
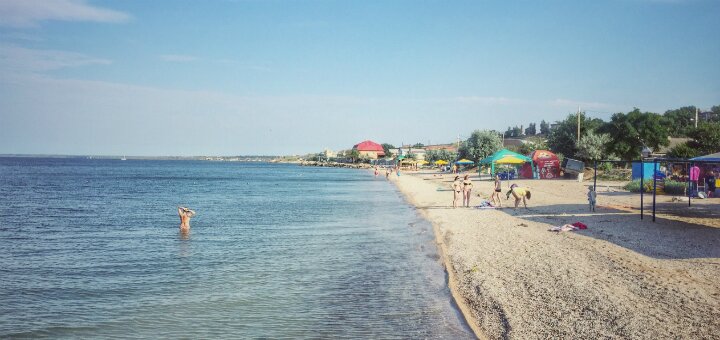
(185, 215)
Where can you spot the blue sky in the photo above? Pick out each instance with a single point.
(285, 77)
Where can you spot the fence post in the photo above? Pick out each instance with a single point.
(642, 187)
(654, 186)
(690, 186)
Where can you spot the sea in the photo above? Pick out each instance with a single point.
(90, 248)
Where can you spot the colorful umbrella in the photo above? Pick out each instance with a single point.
(464, 162)
(509, 159)
(441, 162)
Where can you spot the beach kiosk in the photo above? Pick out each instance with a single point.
(546, 163)
(507, 157)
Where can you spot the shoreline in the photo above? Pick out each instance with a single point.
(453, 283)
(622, 277)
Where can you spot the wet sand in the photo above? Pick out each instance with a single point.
(622, 277)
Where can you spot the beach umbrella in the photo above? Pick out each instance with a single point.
(423, 162)
(441, 162)
(464, 162)
(510, 160)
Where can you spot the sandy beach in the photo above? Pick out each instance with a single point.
(622, 277)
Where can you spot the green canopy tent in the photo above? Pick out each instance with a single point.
(505, 156)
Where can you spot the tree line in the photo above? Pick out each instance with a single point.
(622, 137)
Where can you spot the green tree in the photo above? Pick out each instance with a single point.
(531, 144)
(706, 138)
(436, 155)
(418, 145)
(431, 155)
(715, 118)
(530, 131)
(680, 121)
(480, 145)
(629, 132)
(544, 128)
(508, 132)
(563, 138)
(353, 154)
(517, 131)
(386, 148)
(682, 150)
(592, 146)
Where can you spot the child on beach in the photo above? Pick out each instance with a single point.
(592, 197)
(457, 189)
(467, 189)
(520, 194)
(376, 171)
(496, 193)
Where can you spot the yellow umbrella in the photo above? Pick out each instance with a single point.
(441, 162)
(509, 159)
(423, 162)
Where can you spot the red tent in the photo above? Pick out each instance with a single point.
(547, 163)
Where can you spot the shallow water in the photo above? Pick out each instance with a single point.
(91, 248)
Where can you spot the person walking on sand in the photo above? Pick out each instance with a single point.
(185, 215)
(376, 171)
(457, 190)
(497, 191)
(520, 194)
(467, 190)
(387, 173)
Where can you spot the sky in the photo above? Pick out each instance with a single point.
(264, 77)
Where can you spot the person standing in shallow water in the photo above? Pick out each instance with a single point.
(185, 215)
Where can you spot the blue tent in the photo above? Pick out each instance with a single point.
(714, 157)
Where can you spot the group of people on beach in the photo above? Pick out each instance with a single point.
(465, 185)
(388, 171)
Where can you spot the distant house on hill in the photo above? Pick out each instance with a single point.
(369, 149)
(707, 116)
(674, 141)
(513, 142)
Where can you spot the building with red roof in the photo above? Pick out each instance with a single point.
(370, 149)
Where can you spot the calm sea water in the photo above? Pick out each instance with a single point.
(91, 248)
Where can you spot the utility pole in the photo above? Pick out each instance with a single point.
(696, 116)
(578, 116)
(458, 142)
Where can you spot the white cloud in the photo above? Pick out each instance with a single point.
(178, 58)
(568, 103)
(15, 59)
(28, 13)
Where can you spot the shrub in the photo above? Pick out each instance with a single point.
(675, 188)
(634, 186)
